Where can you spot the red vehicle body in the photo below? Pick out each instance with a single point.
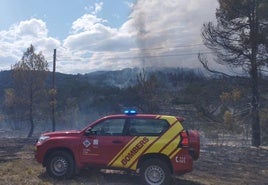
(156, 146)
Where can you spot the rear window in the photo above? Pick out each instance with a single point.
(147, 127)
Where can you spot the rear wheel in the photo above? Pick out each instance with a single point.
(155, 172)
(60, 165)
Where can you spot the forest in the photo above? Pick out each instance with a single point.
(216, 105)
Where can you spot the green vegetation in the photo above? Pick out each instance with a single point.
(216, 105)
(26, 100)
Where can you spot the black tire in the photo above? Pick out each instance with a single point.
(60, 165)
(155, 172)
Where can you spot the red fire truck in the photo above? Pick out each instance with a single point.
(154, 146)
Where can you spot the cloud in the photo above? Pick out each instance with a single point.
(86, 23)
(156, 33)
(15, 40)
(98, 8)
(99, 38)
(129, 4)
(95, 9)
(32, 28)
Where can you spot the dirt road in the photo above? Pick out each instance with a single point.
(218, 165)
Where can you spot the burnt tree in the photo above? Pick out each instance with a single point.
(239, 40)
(29, 75)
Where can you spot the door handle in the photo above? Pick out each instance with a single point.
(117, 142)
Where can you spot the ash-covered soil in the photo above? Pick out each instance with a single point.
(217, 165)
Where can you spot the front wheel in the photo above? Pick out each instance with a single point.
(155, 172)
(60, 165)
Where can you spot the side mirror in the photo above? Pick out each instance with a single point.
(88, 132)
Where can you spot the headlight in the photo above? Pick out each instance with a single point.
(42, 139)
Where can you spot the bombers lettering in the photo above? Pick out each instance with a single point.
(134, 150)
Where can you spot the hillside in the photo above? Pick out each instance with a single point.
(183, 92)
(103, 79)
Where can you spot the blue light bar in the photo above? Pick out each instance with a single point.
(130, 112)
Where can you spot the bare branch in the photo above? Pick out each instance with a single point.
(204, 62)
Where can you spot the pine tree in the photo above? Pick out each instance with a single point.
(239, 40)
(29, 76)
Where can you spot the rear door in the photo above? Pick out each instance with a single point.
(142, 135)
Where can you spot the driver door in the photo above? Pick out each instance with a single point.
(106, 139)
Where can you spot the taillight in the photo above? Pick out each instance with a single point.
(184, 139)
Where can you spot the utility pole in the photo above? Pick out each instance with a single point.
(53, 92)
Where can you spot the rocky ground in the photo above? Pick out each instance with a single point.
(224, 165)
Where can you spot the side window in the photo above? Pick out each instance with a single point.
(111, 127)
(147, 127)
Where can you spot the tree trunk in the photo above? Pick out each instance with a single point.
(255, 119)
(31, 112)
(30, 134)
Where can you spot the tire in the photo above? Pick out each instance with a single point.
(155, 172)
(60, 165)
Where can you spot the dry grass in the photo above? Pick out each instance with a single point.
(20, 172)
(20, 168)
(217, 165)
(29, 172)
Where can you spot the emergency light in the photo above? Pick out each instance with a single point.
(130, 112)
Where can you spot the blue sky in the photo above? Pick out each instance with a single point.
(92, 35)
(59, 14)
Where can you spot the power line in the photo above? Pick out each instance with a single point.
(107, 57)
(156, 56)
(174, 47)
(144, 51)
(156, 48)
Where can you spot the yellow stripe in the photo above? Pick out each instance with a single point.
(128, 151)
(174, 144)
(120, 153)
(140, 151)
(118, 162)
(170, 119)
(174, 153)
(134, 166)
(164, 139)
(129, 155)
